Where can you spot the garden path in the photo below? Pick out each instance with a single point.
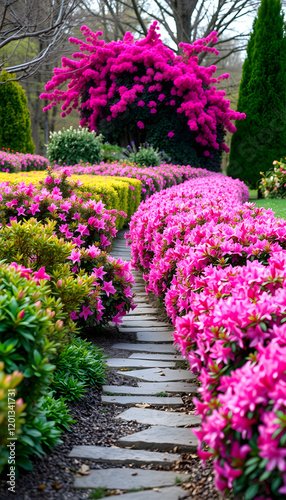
(157, 401)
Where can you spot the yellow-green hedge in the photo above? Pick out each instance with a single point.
(120, 193)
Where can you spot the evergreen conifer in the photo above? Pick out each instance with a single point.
(261, 137)
(15, 122)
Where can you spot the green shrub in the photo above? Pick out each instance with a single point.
(70, 146)
(56, 410)
(25, 346)
(15, 122)
(111, 152)
(145, 155)
(79, 365)
(35, 246)
(8, 388)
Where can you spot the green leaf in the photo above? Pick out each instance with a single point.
(251, 491)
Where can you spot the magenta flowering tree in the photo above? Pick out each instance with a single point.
(142, 91)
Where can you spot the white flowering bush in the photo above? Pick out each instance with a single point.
(70, 146)
(273, 183)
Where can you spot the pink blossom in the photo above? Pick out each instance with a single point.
(108, 288)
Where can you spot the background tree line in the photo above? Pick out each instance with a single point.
(34, 36)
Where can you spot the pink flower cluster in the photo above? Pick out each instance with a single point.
(91, 228)
(153, 179)
(20, 162)
(98, 68)
(220, 266)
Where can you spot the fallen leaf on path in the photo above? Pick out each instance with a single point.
(142, 405)
(42, 487)
(84, 470)
(57, 485)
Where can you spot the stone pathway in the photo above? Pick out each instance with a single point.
(155, 365)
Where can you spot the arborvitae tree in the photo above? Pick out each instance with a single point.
(261, 137)
(15, 122)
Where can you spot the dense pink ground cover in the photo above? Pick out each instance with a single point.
(219, 264)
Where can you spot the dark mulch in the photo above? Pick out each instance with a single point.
(201, 484)
(55, 472)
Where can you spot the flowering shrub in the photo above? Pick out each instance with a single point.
(223, 263)
(81, 222)
(111, 297)
(120, 194)
(273, 183)
(21, 162)
(144, 89)
(70, 146)
(153, 179)
(245, 426)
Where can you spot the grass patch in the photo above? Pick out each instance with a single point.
(278, 206)
(161, 394)
(253, 193)
(99, 493)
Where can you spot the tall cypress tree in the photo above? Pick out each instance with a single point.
(15, 122)
(261, 137)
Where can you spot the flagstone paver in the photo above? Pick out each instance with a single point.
(159, 348)
(142, 322)
(152, 361)
(152, 389)
(153, 375)
(159, 417)
(127, 479)
(162, 438)
(137, 363)
(172, 493)
(102, 454)
(160, 357)
(150, 400)
(146, 329)
(159, 338)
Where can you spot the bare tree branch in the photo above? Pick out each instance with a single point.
(45, 22)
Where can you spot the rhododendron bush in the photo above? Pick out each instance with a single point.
(142, 90)
(153, 179)
(21, 162)
(88, 227)
(219, 265)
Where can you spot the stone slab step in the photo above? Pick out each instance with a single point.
(159, 417)
(160, 357)
(137, 363)
(143, 318)
(160, 375)
(171, 493)
(150, 400)
(127, 479)
(134, 329)
(143, 322)
(146, 310)
(157, 337)
(102, 454)
(162, 438)
(152, 389)
(159, 348)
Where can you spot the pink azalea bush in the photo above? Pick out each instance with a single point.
(132, 84)
(219, 265)
(21, 162)
(153, 179)
(90, 228)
